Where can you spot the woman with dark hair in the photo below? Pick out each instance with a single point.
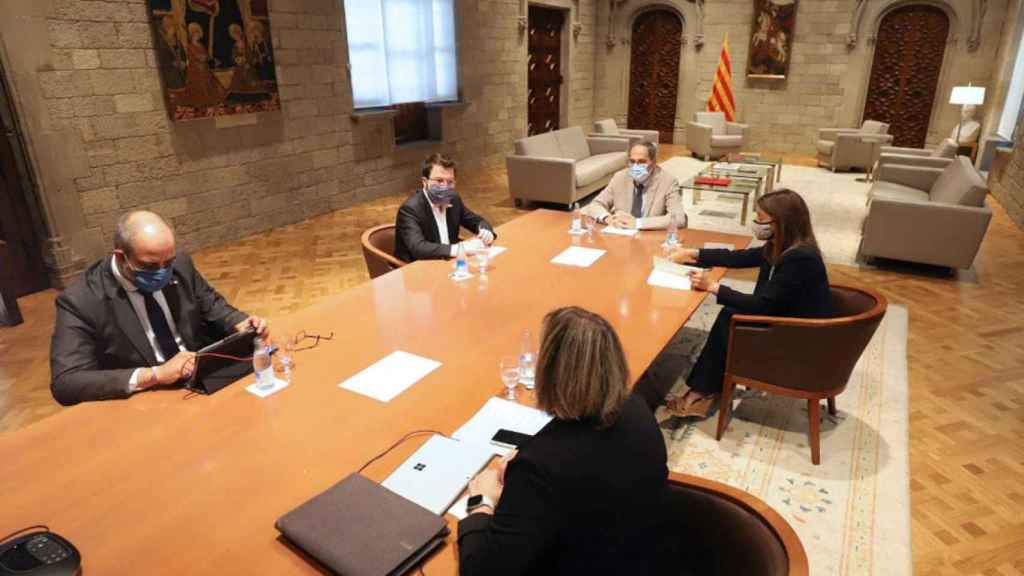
(582, 497)
(792, 282)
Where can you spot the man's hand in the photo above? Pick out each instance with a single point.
(700, 280)
(474, 245)
(486, 236)
(684, 255)
(260, 325)
(177, 368)
(622, 220)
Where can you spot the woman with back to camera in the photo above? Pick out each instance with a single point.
(583, 495)
(792, 282)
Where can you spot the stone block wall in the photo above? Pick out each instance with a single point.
(1006, 180)
(827, 81)
(90, 100)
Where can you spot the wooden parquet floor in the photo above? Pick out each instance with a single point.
(966, 362)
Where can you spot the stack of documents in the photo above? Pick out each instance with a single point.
(498, 414)
(668, 274)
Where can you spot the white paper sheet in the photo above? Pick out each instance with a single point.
(670, 267)
(668, 280)
(495, 250)
(499, 413)
(389, 376)
(722, 245)
(615, 231)
(577, 256)
(264, 389)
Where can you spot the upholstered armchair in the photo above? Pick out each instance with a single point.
(940, 157)
(934, 216)
(710, 136)
(846, 148)
(608, 127)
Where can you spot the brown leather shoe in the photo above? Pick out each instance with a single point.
(678, 406)
(700, 408)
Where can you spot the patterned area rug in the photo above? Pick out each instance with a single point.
(852, 512)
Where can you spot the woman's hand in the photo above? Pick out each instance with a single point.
(700, 280)
(684, 255)
(487, 483)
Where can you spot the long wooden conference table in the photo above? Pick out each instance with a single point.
(167, 483)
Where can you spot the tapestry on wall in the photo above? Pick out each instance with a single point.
(215, 57)
(771, 38)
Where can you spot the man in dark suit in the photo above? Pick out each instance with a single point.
(134, 319)
(427, 226)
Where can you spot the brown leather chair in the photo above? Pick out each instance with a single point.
(801, 357)
(711, 528)
(379, 249)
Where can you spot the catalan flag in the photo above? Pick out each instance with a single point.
(721, 99)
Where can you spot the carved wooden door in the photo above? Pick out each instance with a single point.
(654, 72)
(19, 221)
(544, 78)
(905, 73)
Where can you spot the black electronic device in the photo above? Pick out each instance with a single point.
(510, 439)
(223, 362)
(39, 553)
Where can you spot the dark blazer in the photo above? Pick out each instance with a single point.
(416, 233)
(577, 500)
(98, 340)
(797, 287)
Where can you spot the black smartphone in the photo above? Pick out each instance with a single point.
(509, 439)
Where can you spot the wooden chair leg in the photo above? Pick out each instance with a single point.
(725, 406)
(832, 405)
(814, 433)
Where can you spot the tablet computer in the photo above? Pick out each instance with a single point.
(218, 364)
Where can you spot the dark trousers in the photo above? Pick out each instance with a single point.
(709, 370)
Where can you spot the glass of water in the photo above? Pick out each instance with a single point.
(589, 222)
(510, 375)
(527, 367)
(483, 257)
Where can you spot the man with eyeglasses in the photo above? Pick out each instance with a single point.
(427, 226)
(135, 318)
(642, 196)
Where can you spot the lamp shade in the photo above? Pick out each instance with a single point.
(967, 95)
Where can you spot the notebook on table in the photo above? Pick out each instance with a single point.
(357, 527)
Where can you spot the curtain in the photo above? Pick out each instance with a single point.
(401, 51)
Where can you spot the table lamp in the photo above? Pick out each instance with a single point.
(964, 96)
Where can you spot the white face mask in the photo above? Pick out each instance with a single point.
(762, 231)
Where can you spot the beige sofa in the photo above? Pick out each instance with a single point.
(846, 148)
(710, 136)
(608, 127)
(927, 215)
(563, 166)
(940, 157)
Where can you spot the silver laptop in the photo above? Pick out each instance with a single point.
(437, 473)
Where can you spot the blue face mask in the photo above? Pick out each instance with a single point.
(639, 172)
(152, 280)
(440, 194)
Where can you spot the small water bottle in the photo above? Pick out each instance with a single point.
(261, 363)
(461, 266)
(527, 361)
(577, 219)
(672, 238)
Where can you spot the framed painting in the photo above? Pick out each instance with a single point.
(215, 57)
(771, 39)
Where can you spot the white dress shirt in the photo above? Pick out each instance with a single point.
(442, 223)
(139, 305)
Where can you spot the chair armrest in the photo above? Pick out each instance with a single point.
(605, 144)
(906, 151)
(737, 129)
(646, 135)
(926, 232)
(920, 177)
(832, 133)
(698, 137)
(911, 160)
(541, 178)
